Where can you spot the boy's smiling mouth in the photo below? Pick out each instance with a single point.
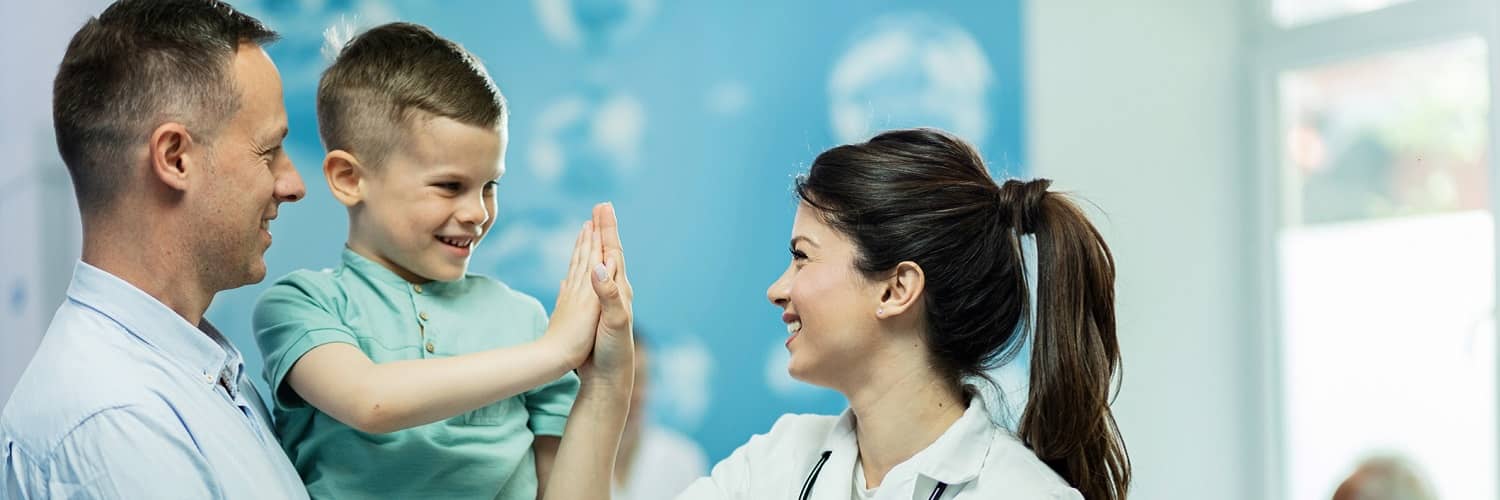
(464, 242)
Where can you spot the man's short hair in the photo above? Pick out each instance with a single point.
(137, 65)
(385, 75)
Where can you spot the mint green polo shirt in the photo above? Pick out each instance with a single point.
(485, 453)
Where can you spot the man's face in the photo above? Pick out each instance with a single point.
(248, 177)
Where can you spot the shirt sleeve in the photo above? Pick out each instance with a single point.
(117, 453)
(549, 404)
(291, 318)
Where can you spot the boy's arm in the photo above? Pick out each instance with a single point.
(343, 382)
(586, 456)
(340, 380)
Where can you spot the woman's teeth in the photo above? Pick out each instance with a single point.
(793, 327)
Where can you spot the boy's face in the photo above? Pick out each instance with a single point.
(432, 201)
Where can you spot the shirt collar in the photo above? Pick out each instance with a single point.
(959, 454)
(956, 457)
(202, 351)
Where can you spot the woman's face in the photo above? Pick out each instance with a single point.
(827, 304)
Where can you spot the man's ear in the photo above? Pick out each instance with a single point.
(174, 156)
(345, 176)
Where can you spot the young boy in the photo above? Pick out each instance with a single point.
(398, 375)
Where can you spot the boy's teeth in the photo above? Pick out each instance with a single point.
(456, 242)
(793, 327)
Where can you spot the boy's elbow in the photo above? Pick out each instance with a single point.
(375, 416)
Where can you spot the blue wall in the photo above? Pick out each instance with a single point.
(692, 117)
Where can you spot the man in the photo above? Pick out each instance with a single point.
(169, 117)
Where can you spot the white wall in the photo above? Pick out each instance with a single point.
(39, 247)
(1137, 106)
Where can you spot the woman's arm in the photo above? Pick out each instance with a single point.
(586, 458)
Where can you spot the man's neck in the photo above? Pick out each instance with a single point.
(145, 257)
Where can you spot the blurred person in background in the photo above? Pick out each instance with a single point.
(1385, 477)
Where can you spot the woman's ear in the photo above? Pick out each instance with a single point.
(345, 177)
(902, 291)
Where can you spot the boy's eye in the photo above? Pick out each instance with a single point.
(450, 186)
(489, 187)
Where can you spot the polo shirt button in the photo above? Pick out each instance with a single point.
(429, 347)
(416, 288)
(423, 316)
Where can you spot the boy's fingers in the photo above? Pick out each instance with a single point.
(581, 249)
(574, 261)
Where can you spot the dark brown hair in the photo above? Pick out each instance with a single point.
(381, 76)
(139, 64)
(925, 196)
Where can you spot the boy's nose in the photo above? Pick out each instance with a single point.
(473, 213)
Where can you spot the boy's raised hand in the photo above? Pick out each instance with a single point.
(575, 318)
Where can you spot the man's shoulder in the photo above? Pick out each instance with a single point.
(85, 367)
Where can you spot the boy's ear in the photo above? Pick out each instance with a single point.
(345, 176)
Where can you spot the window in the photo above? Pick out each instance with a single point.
(1375, 146)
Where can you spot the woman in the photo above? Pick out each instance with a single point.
(908, 281)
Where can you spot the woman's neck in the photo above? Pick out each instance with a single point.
(899, 415)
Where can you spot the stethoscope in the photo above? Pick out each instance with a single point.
(812, 477)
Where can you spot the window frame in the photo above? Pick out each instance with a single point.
(1270, 51)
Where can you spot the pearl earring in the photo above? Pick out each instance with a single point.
(879, 312)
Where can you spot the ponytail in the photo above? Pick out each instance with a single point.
(1067, 421)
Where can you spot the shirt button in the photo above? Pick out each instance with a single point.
(416, 288)
(429, 347)
(423, 316)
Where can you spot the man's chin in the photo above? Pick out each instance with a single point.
(253, 274)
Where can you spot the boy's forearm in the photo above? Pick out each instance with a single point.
(585, 461)
(409, 393)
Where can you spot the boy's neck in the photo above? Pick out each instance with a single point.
(369, 253)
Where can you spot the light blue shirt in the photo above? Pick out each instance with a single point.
(125, 399)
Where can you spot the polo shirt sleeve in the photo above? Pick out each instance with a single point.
(291, 318)
(549, 404)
